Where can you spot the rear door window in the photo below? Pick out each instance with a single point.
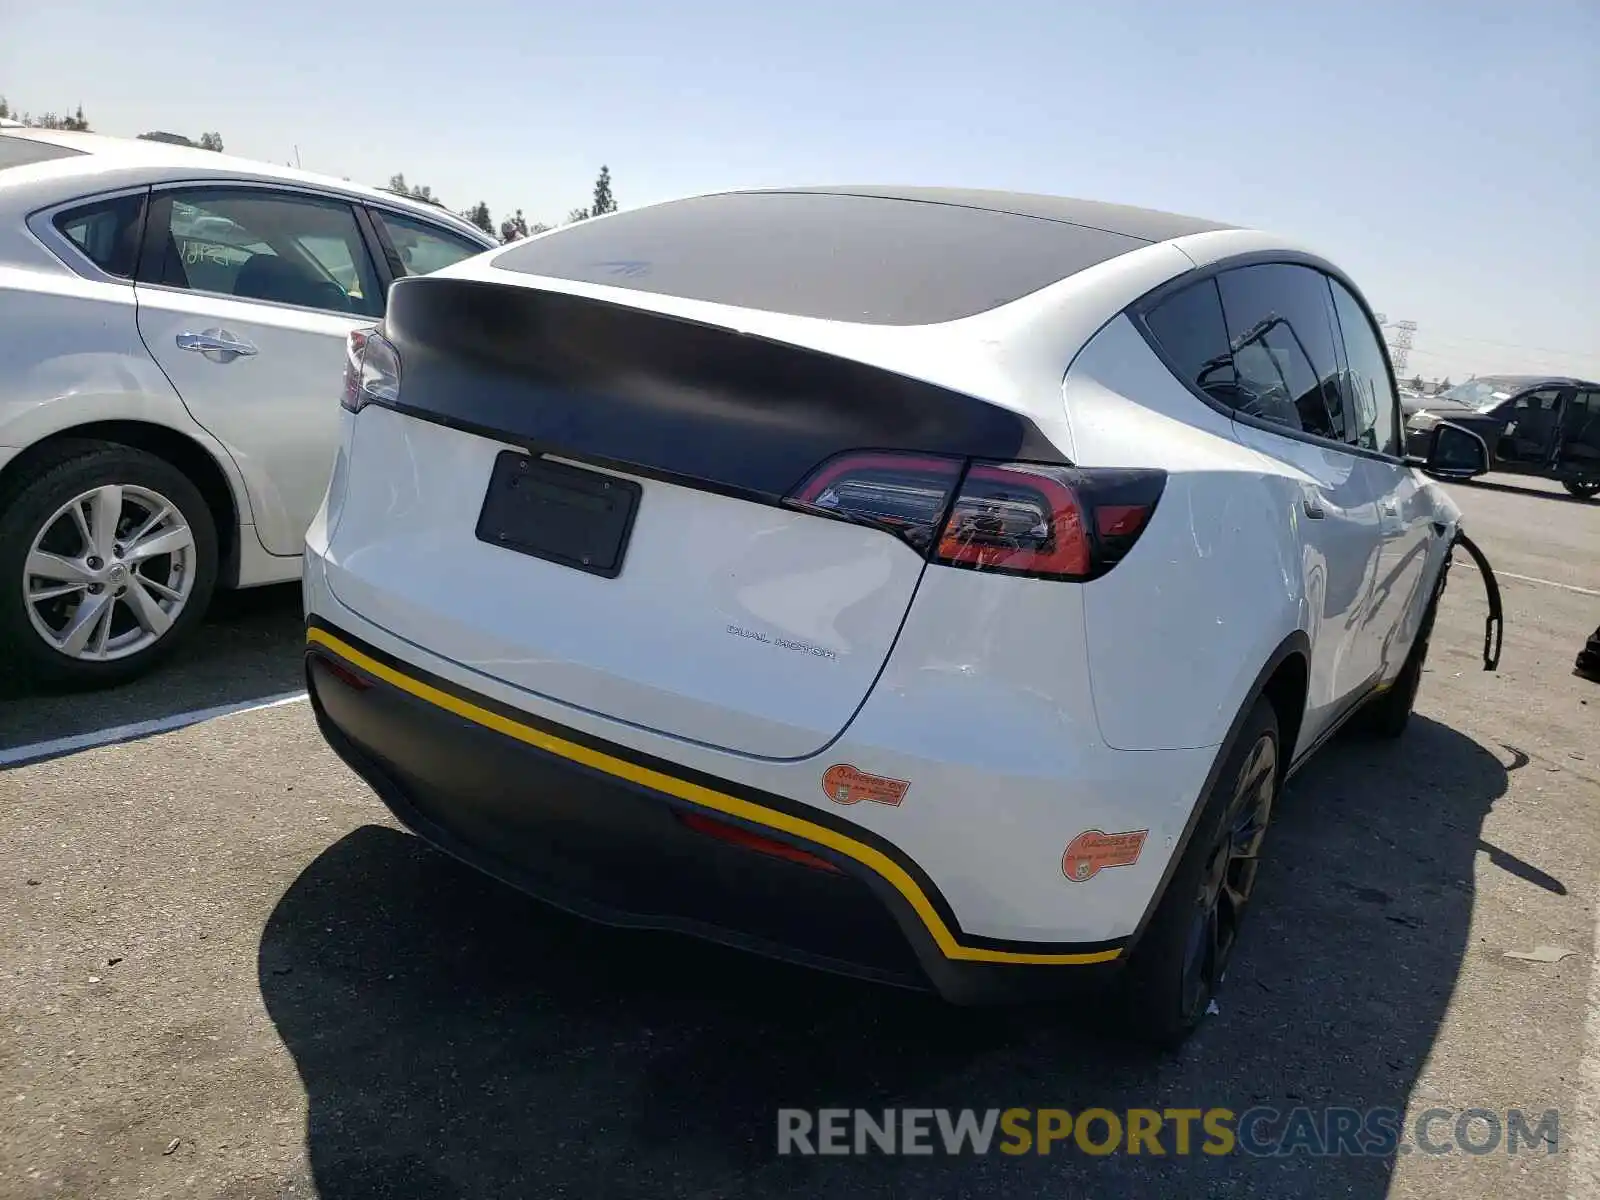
(1281, 333)
(107, 232)
(1366, 384)
(262, 244)
(1581, 426)
(1189, 327)
(424, 248)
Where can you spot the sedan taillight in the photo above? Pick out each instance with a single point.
(371, 370)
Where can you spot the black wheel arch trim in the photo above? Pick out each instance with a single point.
(1295, 643)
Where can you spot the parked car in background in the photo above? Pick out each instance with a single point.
(1540, 425)
(932, 585)
(175, 327)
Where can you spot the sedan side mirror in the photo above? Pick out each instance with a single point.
(1455, 452)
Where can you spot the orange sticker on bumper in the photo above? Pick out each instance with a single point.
(1093, 851)
(846, 785)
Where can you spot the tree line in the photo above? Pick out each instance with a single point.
(510, 229)
(76, 122)
(517, 225)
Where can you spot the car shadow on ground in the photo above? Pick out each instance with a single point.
(456, 1039)
(1525, 486)
(247, 649)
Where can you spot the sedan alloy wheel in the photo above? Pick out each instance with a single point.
(109, 573)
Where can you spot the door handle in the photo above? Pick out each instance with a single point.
(1311, 504)
(216, 342)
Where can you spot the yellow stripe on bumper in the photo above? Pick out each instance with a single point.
(874, 860)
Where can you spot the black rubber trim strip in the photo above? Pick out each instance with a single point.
(1296, 643)
(975, 947)
(1494, 623)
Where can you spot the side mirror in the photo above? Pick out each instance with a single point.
(1455, 452)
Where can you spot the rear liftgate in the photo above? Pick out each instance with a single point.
(685, 465)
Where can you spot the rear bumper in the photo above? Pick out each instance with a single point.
(615, 836)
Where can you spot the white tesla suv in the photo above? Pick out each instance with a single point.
(170, 322)
(936, 586)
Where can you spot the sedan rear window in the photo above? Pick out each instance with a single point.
(21, 152)
(107, 232)
(867, 259)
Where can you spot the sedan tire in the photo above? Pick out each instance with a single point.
(108, 558)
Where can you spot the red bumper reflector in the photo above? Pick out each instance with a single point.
(739, 836)
(344, 674)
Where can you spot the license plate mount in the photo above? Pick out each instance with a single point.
(560, 513)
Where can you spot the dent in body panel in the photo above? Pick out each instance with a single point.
(1177, 632)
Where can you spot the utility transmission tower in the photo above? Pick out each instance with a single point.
(1398, 335)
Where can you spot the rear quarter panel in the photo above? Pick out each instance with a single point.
(1178, 632)
(70, 355)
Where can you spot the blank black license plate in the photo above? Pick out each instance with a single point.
(564, 514)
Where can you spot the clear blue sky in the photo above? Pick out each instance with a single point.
(1447, 154)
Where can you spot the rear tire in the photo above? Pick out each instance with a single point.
(1387, 716)
(1183, 956)
(100, 615)
(1586, 489)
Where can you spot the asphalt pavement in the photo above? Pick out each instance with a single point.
(225, 973)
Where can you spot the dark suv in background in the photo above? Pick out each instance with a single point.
(1541, 425)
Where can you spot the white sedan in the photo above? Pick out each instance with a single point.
(174, 327)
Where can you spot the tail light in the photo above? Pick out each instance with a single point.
(906, 494)
(1045, 521)
(371, 370)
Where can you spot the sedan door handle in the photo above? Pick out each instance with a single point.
(1311, 504)
(216, 344)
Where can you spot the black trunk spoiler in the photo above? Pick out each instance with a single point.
(667, 397)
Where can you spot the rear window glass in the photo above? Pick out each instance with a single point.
(842, 258)
(107, 232)
(19, 152)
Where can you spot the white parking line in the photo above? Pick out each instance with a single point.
(1571, 587)
(17, 756)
